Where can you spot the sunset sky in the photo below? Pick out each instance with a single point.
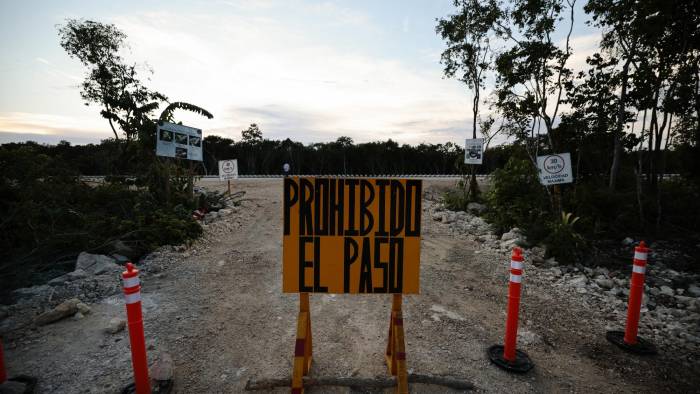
(308, 70)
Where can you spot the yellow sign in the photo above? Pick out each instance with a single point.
(351, 235)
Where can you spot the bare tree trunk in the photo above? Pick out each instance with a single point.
(617, 148)
(473, 185)
(662, 170)
(696, 156)
(639, 171)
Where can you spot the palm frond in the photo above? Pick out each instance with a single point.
(149, 107)
(566, 218)
(168, 112)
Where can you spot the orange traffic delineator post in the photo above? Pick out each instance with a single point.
(506, 356)
(396, 347)
(628, 340)
(137, 340)
(3, 372)
(303, 347)
(28, 381)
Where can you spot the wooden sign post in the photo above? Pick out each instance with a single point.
(351, 236)
(396, 347)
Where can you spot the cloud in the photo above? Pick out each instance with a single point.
(49, 125)
(54, 71)
(583, 46)
(292, 82)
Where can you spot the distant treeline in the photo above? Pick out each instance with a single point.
(339, 157)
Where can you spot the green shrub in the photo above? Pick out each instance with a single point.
(679, 199)
(516, 199)
(456, 199)
(563, 242)
(50, 216)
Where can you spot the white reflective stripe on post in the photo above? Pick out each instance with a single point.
(133, 297)
(518, 265)
(640, 255)
(515, 278)
(131, 282)
(638, 269)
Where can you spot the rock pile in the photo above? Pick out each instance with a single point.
(95, 277)
(670, 315)
(461, 222)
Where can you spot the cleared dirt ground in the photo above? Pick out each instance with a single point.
(218, 309)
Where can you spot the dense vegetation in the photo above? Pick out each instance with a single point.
(49, 215)
(628, 119)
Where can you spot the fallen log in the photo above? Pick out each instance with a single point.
(378, 382)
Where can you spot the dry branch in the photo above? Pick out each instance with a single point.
(377, 382)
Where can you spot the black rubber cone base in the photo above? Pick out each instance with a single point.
(29, 383)
(641, 347)
(157, 387)
(521, 364)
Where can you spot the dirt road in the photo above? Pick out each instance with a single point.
(218, 309)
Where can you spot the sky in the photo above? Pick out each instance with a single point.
(311, 71)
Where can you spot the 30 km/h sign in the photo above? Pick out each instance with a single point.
(351, 235)
(228, 169)
(555, 169)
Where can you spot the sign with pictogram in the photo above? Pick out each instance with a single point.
(474, 151)
(351, 235)
(228, 169)
(178, 141)
(555, 169)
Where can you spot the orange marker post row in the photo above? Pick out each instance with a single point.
(132, 296)
(516, 272)
(636, 292)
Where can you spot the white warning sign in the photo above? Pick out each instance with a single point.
(228, 169)
(555, 169)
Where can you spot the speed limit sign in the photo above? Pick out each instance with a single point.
(228, 169)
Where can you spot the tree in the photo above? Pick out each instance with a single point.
(660, 43)
(531, 71)
(469, 54)
(252, 134)
(115, 85)
(110, 82)
(343, 143)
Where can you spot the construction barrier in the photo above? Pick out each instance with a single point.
(303, 347)
(507, 356)
(628, 340)
(29, 382)
(375, 251)
(396, 347)
(139, 361)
